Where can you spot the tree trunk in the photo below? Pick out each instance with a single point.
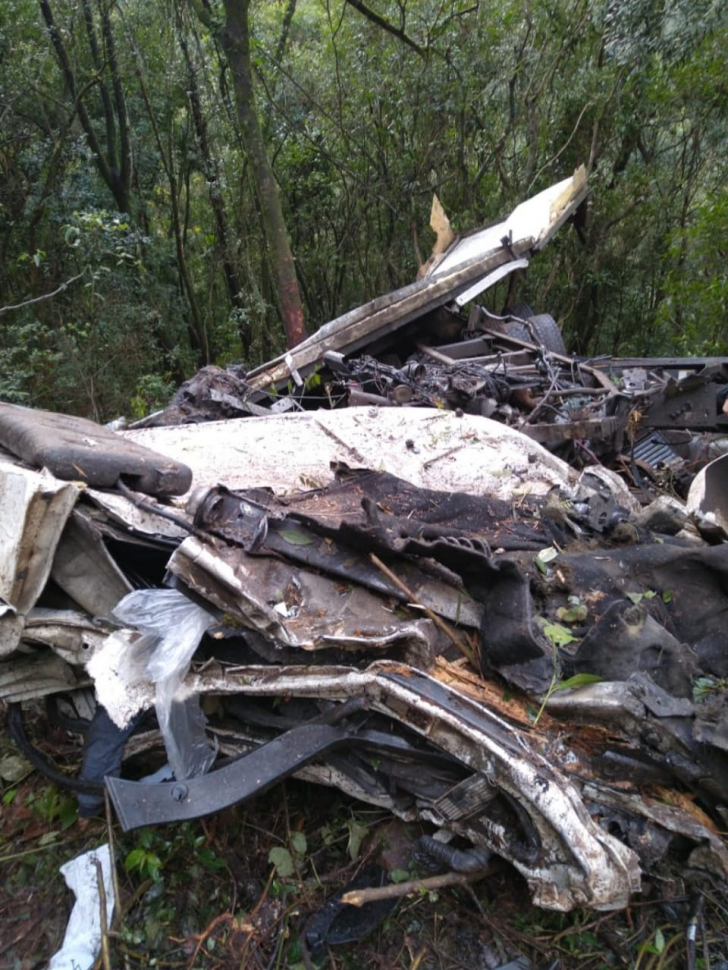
(114, 165)
(210, 170)
(235, 39)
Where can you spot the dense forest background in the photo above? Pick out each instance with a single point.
(157, 159)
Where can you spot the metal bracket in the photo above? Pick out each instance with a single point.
(137, 804)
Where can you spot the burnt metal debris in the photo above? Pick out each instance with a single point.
(429, 559)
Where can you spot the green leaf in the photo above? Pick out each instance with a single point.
(207, 858)
(299, 844)
(659, 940)
(399, 875)
(578, 680)
(153, 864)
(295, 538)
(67, 813)
(556, 633)
(135, 859)
(357, 832)
(704, 686)
(573, 614)
(547, 555)
(283, 861)
(635, 597)
(312, 381)
(667, 596)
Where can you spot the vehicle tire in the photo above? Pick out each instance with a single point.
(521, 311)
(513, 325)
(538, 328)
(546, 331)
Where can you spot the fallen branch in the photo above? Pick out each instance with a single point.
(358, 897)
(103, 915)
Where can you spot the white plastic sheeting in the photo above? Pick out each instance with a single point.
(82, 942)
(173, 626)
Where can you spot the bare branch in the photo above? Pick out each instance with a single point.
(385, 25)
(38, 299)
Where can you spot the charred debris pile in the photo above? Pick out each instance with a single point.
(425, 558)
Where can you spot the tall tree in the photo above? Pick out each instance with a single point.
(235, 39)
(113, 159)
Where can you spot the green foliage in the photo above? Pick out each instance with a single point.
(357, 833)
(145, 859)
(557, 634)
(54, 807)
(705, 687)
(361, 130)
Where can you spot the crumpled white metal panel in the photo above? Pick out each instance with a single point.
(34, 508)
(708, 498)
(297, 607)
(429, 448)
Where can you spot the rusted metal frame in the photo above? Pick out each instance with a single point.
(588, 428)
(687, 404)
(603, 871)
(599, 378)
(661, 363)
(384, 315)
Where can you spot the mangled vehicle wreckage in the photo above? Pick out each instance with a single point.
(420, 605)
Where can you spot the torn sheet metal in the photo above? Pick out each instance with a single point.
(433, 449)
(143, 521)
(212, 394)
(707, 499)
(84, 569)
(265, 528)
(467, 262)
(490, 280)
(573, 861)
(34, 508)
(11, 629)
(26, 677)
(538, 218)
(672, 813)
(359, 327)
(663, 740)
(295, 607)
(74, 636)
(578, 762)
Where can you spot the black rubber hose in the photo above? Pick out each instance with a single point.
(16, 727)
(457, 860)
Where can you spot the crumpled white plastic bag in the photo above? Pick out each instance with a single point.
(173, 626)
(82, 942)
